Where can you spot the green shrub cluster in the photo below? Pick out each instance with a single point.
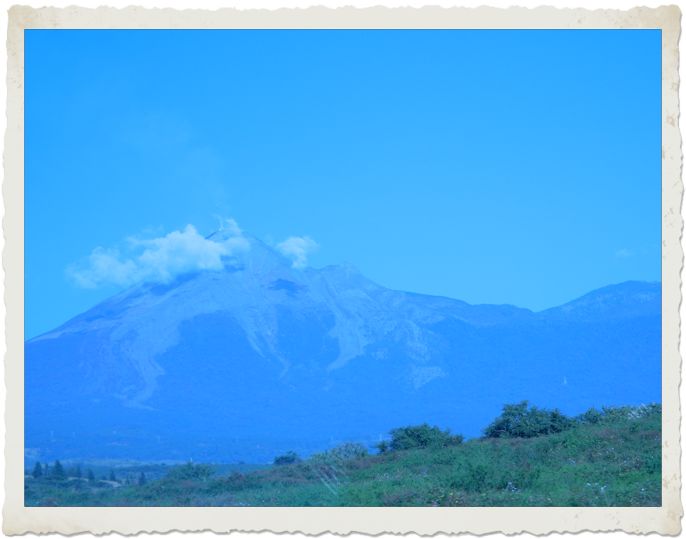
(291, 457)
(419, 437)
(609, 414)
(524, 421)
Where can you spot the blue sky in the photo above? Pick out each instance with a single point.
(516, 167)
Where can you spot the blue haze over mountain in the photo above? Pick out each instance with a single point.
(260, 358)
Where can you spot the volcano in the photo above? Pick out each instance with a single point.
(259, 358)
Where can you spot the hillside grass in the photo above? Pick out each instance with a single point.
(613, 459)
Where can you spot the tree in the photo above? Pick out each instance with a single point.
(142, 480)
(559, 421)
(76, 472)
(112, 476)
(420, 436)
(91, 476)
(521, 421)
(58, 470)
(291, 457)
(37, 471)
(383, 446)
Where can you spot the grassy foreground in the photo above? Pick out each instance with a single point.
(612, 458)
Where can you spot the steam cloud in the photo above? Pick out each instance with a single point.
(159, 259)
(297, 248)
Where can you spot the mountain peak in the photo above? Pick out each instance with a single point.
(248, 252)
(227, 229)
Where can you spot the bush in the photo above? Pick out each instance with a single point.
(613, 414)
(521, 421)
(383, 447)
(591, 416)
(622, 413)
(288, 458)
(420, 436)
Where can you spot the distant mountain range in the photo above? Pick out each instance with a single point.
(260, 358)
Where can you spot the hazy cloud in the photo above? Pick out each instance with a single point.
(104, 266)
(624, 253)
(297, 248)
(158, 259)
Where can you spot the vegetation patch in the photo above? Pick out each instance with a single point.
(527, 457)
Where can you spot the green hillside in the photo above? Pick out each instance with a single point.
(527, 457)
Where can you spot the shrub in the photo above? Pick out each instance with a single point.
(344, 452)
(521, 421)
(287, 458)
(349, 451)
(592, 416)
(383, 447)
(420, 436)
(621, 413)
(612, 414)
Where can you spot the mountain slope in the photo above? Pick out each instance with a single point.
(261, 358)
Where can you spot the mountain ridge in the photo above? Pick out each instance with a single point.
(651, 286)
